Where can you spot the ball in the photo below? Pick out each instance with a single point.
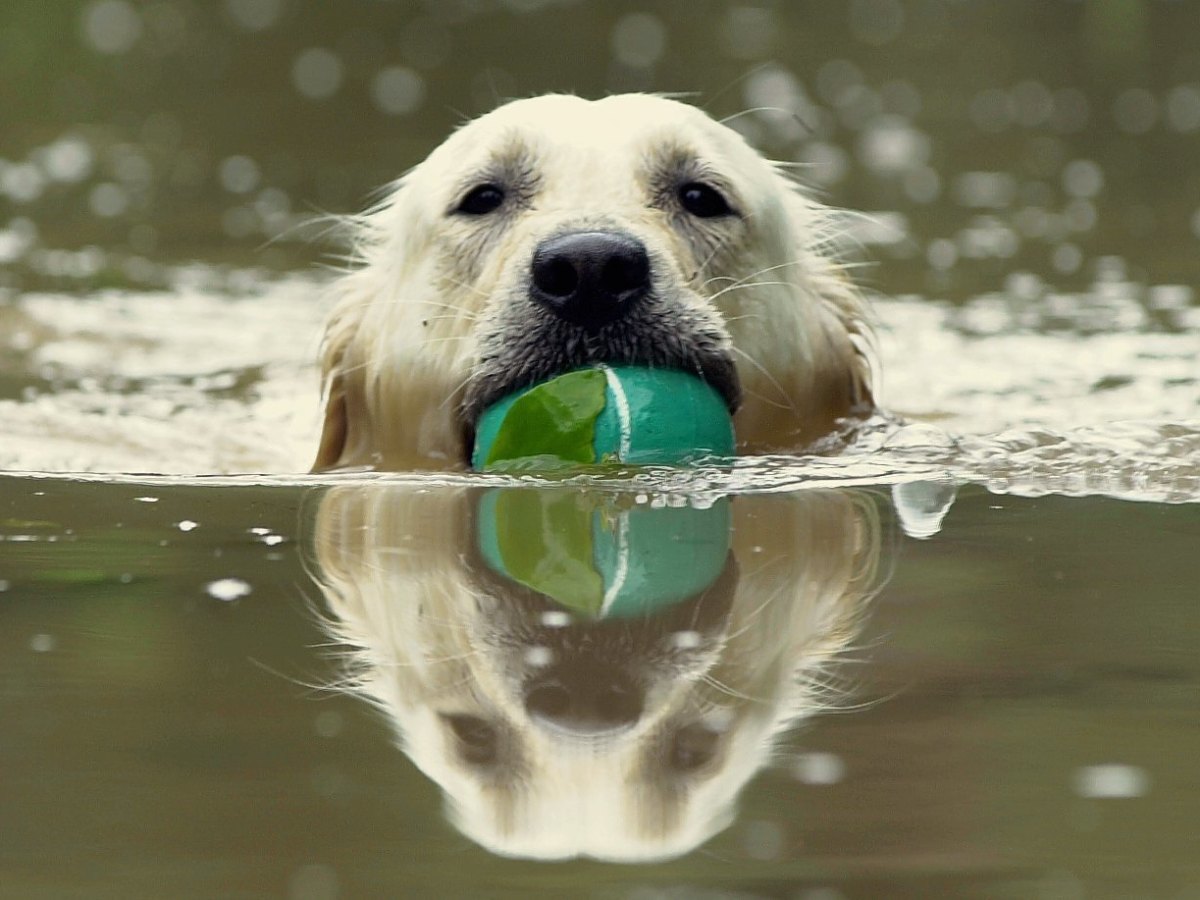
(602, 414)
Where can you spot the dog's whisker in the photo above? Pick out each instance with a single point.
(790, 404)
(712, 279)
(446, 304)
(455, 395)
(721, 244)
(745, 317)
(751, 111)
(732, 83)
(458, 282)
(749, 279)
(763, 271)
(716, 683)
(746, 286)
(464, 312)
(774, 597)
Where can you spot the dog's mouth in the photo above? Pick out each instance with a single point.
(551, 348)
(717, 371)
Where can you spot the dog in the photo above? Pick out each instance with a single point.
(557, 232)
(555, 734)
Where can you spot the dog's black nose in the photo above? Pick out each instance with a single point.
(585, 700)
(590, 278)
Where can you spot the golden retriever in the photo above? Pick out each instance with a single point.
(555, 734)
(557, 232)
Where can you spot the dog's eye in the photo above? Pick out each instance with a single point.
(704, 200)
(476, 739)
(481, 200)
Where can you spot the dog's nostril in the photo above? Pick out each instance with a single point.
(625, 274)
(556, 277)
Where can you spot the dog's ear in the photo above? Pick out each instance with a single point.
(848, 348)
(333, 430)
(339, 384)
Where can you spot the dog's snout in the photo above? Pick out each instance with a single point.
(585, 701)
(590, 278)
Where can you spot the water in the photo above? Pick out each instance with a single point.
(1003, 708)
(955, 661)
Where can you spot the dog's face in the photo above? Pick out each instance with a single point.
(557, 232)
(555, 734)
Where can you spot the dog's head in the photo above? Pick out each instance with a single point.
(557, 232)
(557, 734)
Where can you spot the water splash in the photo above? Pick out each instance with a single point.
(1028, 391)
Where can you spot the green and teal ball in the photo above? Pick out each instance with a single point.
(623, 414)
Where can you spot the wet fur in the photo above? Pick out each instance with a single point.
(433, 320)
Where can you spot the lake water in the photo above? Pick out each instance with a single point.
(958, 661)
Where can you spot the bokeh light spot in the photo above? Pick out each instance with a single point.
(111, 26)
(398, 90)
(317, 73)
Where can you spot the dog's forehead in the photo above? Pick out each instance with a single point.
(611, 118)
(625, 123)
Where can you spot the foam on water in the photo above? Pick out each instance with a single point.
(1026, 391)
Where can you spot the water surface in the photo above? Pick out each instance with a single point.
(1006, 708)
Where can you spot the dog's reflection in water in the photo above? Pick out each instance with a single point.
(585, 674)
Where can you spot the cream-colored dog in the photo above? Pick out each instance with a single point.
(554, 734)
(557, 232)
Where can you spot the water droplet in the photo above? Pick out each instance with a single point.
(1082, 178)
(818, 768)
(317, 73)
(638, 40)
(239, 174)
(555, 618)
(398, 90)
(1112, 781)
(111, 26)
(108, 199)
(254, 15)
(68, 159)
(42, 643)
(891, 145)
(539, 657)
(21, 182)
(227, 589)
(1183, 108)
(942, 253)
(686, 640)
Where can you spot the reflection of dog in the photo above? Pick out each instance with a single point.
(649, 727)
(556, 232)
